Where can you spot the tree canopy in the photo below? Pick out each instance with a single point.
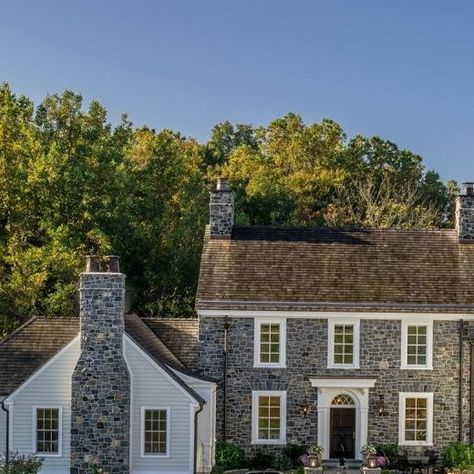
(71, 184)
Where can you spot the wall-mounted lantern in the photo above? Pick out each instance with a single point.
(305, 407)
(380, 406)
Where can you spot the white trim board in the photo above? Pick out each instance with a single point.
(8, 400)
(220, 313)
(346, 382)
(161, 370)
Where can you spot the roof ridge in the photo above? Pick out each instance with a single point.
(17, 330)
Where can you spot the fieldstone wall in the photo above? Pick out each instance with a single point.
(100, 410)
(221, 213)
(380, 358)
(465, 217)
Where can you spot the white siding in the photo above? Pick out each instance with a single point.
(51, 388)
(3, 423)
(152, 387)
(206, 422)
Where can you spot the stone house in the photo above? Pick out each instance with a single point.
(338, 336)
(109, 391)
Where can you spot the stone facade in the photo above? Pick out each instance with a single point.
(306, 355)
(100, 411)
(465, 213)
(221, 210)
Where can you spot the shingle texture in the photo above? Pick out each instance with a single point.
(330, 269)
(32, 345)
(181, 336)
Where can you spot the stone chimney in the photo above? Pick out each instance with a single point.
(221, 210)
(100, 398)
(465, 213)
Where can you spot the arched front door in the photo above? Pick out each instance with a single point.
(342, 427)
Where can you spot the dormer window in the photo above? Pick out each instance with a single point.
(270, 342)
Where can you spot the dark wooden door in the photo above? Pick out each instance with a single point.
(342, 433)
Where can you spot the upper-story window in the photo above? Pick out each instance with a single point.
(343, 343)
(47, 431)
(417, 345)
(270, 342)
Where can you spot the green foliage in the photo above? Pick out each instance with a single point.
(262, 460)
(293, 452)
(282, 462)
(458, 456)
(72, 184)
(228, 457)
(21, 464)
(389, 450)
(300, 470)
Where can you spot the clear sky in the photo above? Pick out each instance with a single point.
(401, 69)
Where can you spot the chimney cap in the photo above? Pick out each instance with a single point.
(223, 184)
(468, 188)
(92, 264)
(113, 263)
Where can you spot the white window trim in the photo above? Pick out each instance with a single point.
(429, 344)
(401, 418)
(268, 393)
(60, 430)
(257, 327)
(142, 432)
(332, 322)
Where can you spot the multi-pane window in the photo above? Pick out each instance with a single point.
(269, 417)
(416, 345)
(48, 431)
(416, 419)
(270, 343)
(155, 432)
(416, 413)
(344, 344)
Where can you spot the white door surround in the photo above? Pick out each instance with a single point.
(358, 390)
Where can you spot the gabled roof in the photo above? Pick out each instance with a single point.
(327, 269)
(181, 336)
(32, 345)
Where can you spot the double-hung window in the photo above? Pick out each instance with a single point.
(417, 345)
(268, 417)
(48, 431)
(416, 419)
(343, 343)
(270, 342)
(155, 432)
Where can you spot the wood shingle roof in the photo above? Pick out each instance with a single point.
(304, 269)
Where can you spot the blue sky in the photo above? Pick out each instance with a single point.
(401, 69)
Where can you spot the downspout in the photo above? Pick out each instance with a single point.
(224, 420)
(461, 370)
(196, 414)
(7, 434)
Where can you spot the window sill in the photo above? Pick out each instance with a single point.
(154, 456)
(343, 366)
(269, 441)
(49, 455)
(416, 367)
(269, 366)
(415, 443)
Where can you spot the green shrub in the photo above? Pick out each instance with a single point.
(293, 452)
(282, 462)
(458, 456)
(300, 470)
(262, 460)
(389, 450)
(21, 464)
(228, 457)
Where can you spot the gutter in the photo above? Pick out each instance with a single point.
(461, 370)
(224, 420)
(7, 434)
(196, 415)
